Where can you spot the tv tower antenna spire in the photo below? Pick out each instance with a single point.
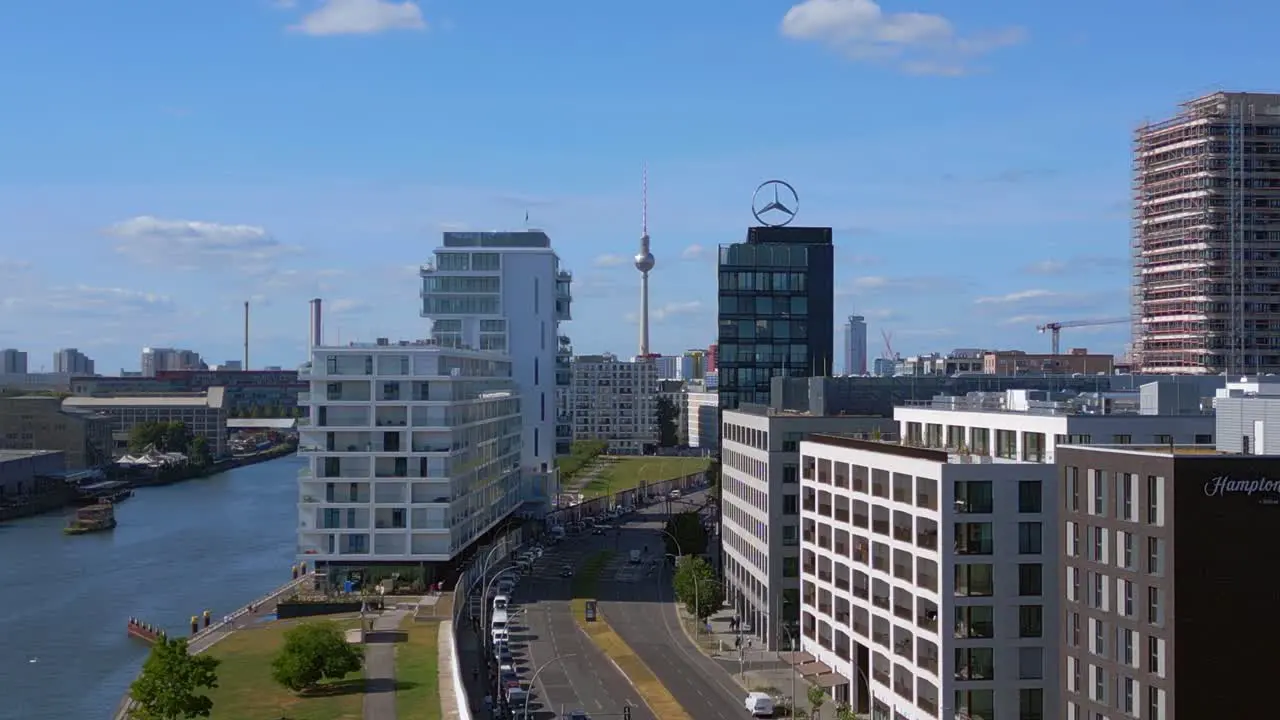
(644, 262)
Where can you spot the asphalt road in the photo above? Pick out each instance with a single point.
(642, 612)
(546, 629)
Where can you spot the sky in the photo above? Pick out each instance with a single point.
(163, 162)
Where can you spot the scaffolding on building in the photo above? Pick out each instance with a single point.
(1200, 201)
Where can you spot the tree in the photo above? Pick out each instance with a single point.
(696, 586)
(177, 437)
(668, 417)
(200, 454)
(690, 536)
(145, 434)
(844, 712)
(817, 698)
(170, 684)
(313, 652)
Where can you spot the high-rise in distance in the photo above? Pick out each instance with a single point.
(776, 305)
(855, 345)
(1206, 240)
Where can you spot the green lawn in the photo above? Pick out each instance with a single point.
(246, 691)
(627, 473)
(418, 672)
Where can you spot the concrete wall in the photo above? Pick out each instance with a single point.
(1239, 421)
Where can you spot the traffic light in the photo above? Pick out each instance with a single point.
(626, 712)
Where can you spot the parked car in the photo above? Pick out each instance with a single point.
(566, 571)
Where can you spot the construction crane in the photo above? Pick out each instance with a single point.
(888, 353)
(1056, 327)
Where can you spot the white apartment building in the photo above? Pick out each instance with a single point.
(414, 454)
(930, 584)
(760, 512)
(1015, 425)
(505, 292)
(617, 401)
(702, 416)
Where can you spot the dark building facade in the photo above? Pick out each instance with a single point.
(1169, 569)
(248, 392)
(776, 305)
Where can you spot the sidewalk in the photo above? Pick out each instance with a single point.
(380, 665)
(475, 674)
(753, 668)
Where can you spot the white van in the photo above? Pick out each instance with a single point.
(759, 704)
(499, 621)
(501, 602)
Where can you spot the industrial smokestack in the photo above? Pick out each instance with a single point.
(246, 334)
(317, 326)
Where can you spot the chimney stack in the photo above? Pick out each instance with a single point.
(317, 326)
(246, 335)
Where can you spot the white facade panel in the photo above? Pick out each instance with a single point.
(929, 579)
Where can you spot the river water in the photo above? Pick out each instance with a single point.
(214, 544)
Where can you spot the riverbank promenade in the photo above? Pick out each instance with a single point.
(248, 615)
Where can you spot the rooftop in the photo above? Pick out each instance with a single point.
(12, 455)
(768, 411)
(498, 239)
(213, 398)
(903, 449)
(1178, 450)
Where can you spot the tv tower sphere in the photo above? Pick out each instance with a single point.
(644, 259)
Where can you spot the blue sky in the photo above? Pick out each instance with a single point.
(161, 162)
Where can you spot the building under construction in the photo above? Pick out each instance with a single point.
(1206, 239)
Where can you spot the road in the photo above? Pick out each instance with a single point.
(639, 606)
(545, 629)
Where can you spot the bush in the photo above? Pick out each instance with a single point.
(313, 652)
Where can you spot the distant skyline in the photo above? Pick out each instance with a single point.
(973, 159)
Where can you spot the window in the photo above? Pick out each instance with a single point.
(1031, 704)
(790, 567)
(1073, 489)
(973, 538)
(1154, 488)
(1073, 584)
(1126, 550)
(975, 621)
(790, 535)
(1127, 689)
(1154, 613)
(1155, 663)
(1154, 564)
(973, 497)
(1126, 485)
(1030, 621)
(1126, 597)
(790, 474)
(1204, 439)
(1029, 496)
(1098, 643)
(1155, 703)
(1073, 627)
(1098, 494)
(975, 703)
(1164, 439)
(1099, 546)
(1030, 541)
(974, 580)
(1073, 674)
(1126, 643)
(790, 504)
(1030, 579)
(1099, 684)
(975, 663)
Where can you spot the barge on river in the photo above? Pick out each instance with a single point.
(94, 518)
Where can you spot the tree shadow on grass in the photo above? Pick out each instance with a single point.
(386, 685)
(335, 689)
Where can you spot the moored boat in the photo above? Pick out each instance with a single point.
(94, 518)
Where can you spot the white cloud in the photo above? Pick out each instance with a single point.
(361, 17)
(608, 261)
(693, 252)
(669, 311)
(347, 306)
(194, 244)
(871, 284)
(1020, 296)
(1029, 321)
(86, 300)
(917, 43)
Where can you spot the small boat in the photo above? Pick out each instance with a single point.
(94, 518)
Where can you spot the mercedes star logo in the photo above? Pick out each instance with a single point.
(775, 203)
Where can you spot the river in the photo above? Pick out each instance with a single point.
(214, 544)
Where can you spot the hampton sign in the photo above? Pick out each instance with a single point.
(1224, 485)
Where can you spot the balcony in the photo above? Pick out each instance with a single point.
(902, 534)
(860, 519)
(904, 690)
(824, 509)
(902, 611)
(881, 601)
(842, 583)
(860, 628)
(927, 705)
(880, 527)
(902, 572)
(928, 621)
(810, 537)
(927, 580)
(928, 661)
(881, 638)
(880, 676)
(824, 575)
(810, 504)
(927, 539)
(842, 549)
(824, 542)
(810, 569)
(861, 591)
(880, 563)
(842, 515)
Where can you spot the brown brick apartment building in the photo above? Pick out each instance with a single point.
(1169, 569)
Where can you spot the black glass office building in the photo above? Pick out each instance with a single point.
(776, 310)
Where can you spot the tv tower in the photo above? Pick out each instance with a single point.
(644, 263)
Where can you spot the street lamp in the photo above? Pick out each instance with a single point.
(529, 694)
(871, 693)
(791, 641)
